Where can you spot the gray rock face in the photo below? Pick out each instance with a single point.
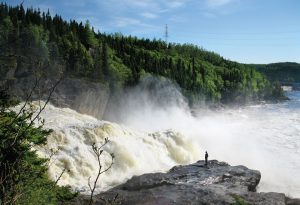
(217, 183)
(81, 95)
(85, 97)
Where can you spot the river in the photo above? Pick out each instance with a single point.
(149, 138)
(263, 137)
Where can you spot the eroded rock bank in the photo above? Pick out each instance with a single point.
(84, 96)
(217, 183)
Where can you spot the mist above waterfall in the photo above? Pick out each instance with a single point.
(263, 137)
(148, 105)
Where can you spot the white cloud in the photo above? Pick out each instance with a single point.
(209, 15)
(142, 3)
(137, 16)
(176, 3)
(149, 15)
(134, 26)
(75, 3)
(151, 3)
(125, 22)
(121, 22)
(217, 3)
(177, 19)
(156, 5)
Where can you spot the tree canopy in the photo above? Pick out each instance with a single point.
(37, 40)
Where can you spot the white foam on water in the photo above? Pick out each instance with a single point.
(135, 152)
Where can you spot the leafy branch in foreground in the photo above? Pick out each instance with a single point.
(23, 175)
(98, 151)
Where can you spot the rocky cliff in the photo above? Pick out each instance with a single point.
(79, 94)
(217, 183)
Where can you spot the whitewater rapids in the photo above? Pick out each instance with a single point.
(135, 152)
(155, 130)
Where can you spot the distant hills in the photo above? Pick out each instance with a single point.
(283, 72)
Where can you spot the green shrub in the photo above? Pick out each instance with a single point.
(239, 200)
(23, 175)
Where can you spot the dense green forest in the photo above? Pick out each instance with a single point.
(40, 41)
(283, 72)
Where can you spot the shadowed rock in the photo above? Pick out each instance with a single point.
(81, 95)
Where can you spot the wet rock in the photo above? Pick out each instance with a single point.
(290, 201)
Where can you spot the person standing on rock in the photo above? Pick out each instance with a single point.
(206, 157)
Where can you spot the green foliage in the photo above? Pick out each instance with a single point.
(239, 200)
(277, 92)
(37, 41)
(23, 175)
(203, 75)
(283, 72)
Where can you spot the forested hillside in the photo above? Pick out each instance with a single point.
(32, 40)
(284, 72)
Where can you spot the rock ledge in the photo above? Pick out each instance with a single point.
(217, 183)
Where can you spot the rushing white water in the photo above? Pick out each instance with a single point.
(135, 152)
(263, 137)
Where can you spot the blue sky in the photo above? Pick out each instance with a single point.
(247, 31)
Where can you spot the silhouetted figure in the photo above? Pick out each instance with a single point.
(206, 157)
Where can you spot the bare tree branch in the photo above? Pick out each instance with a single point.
(98, 151)
(40, 110)
(60, 175)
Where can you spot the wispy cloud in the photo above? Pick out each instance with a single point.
(176, 3)
(135, 26)
(75, 3)
(125, 22)
(128, 16)
(147, 9)
(129, 22)
(142, 3)
(177, 19)
(209, 15)
(156, 4)
(149, 15)
(216, 8)
(218, 3)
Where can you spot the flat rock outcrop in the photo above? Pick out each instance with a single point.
(216, 183)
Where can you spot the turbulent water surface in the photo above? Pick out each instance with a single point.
(152, 138)
(135, 152)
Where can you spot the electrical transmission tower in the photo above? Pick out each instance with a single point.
(166, 34)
